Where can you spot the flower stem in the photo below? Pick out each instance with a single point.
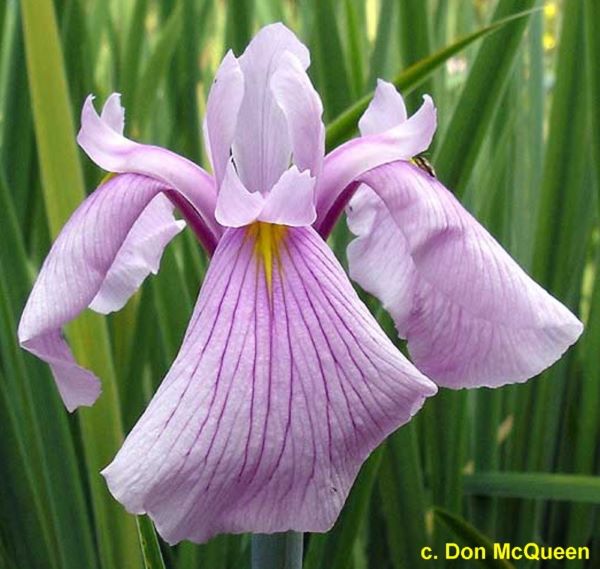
(277, 551)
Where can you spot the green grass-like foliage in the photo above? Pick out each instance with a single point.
(517, 87)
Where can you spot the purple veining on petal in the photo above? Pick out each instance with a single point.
(470, 314)
(283, 386)
(139, 255)
(79, 265)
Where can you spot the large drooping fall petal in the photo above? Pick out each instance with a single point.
(471, 315)
(104, 252)
(283, 386)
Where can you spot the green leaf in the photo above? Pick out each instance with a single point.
(588, 399)
(54, 478)
(239, 24)
(61, 172)
(457, 153)
(535, 486)
(156, 66)
(16, 129)
(548, 407)
(471, 537)
(150, 549)
(73, 32)
(414, 40)
(565, 222)
(344, 124)
(592, 16)
(187, 73)
(356, 46)
(564, 179)
(381, 49)
(35, 539)
(403, 502)
(134, 42)
(172, 317)
(63, 190)
(277, 551)
(329, 58)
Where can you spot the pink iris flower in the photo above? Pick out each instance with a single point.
(285, 382)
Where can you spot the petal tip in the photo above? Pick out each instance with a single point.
(87, 400)
(113, 113)
(428, 105)
(279, 32)
(89, 120)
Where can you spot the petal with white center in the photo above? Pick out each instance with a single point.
(283, 386)
(106, 249)
(471, 315)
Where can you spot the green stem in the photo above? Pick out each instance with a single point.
(277, 551)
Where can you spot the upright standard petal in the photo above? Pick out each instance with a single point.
(283, 386)
(347, 162)
(222, 110)
(303, 110)
(262, 145)
(106, 249)
(115, 153)
(471, 315)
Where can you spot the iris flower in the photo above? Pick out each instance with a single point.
(285, 382)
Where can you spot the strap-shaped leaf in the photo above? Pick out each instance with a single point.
(345, 124)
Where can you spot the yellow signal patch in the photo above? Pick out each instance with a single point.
(267, 242)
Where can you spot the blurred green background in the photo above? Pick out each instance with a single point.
(519, 143)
